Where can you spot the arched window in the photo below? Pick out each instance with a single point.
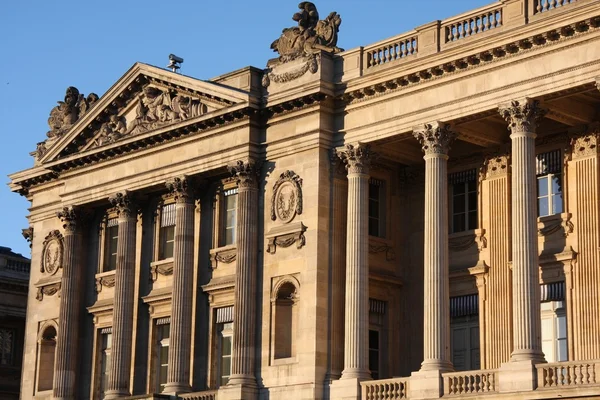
(46, 351)
(285, 321)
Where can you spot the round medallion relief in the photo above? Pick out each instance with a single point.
(285, 202)
(52, 255)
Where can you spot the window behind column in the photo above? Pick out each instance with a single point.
(163, 328)
(167, 231)
(549, 183)
(224, 325)
(463, 200)
(105, 340)
(554, 322)
(111, 239)
(46, 356)
(464, 328)
(377, 342)
(229, 218)
(377, 206)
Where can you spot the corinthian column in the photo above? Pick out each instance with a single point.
(67, 337)
(356, 356)
(435, 139)
(178, 377)
(522, 117)
(118, 375)
(244, 311)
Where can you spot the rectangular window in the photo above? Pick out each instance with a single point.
(463, 199)
(554, 322)
(167, 232)
(225, 351)
(374, 347)
(106, 345)
(377, 201)
(229, 217)
(464, 328)
(549, 183)
(7, 342)
(162, 352)
(111, 239)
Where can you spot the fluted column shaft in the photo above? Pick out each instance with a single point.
(356, 334)
(122, 330)
(180, 339)
(436, 139)
(522, 117)
(244, 314)
(67, 337)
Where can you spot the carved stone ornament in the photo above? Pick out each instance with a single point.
(179, 187)
(435, 138)
(556, 223)
(222, 255)
(522, 116)
(67, 112)
(286, 201)
(285, 236)
(28, 235)
(70, 217)
(124, 204)
(48, 290)
(357, 158)
(584, 146)
(497, 165)
(375, 248)
(164, 269)
(245, 172)
(52, 253)
(463, 241)
(304, 42)
(107, 280)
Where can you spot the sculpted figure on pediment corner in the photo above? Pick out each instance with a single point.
(67, 112)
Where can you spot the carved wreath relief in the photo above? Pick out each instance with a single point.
(287, 197)
(52, 253)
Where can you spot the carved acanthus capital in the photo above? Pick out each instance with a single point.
(522, 116)
(124, 204)
(180, 188)
(245, 173)
(435, 138)
(497, 165)
(357, 158)
(28, 234)
(71, 217)
(584, 146)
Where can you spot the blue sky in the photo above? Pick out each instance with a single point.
(46, 46)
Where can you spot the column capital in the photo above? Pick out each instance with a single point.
(71, 217)
(180, 188)
(435, 137)
(357, 157)
(123, 202)
(523, 115)
(245, 172)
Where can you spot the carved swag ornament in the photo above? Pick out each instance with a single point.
(286, 201)
(304, 42)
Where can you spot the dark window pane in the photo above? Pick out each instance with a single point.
(373, 227)
(229, 236)
(227, 345)
(458, 188)
(374, 340)
(458, 205)
(373, 208)
(458, 223)
(472, 186)
(374, 360)
(472, 201)
(473, 220)
(167, 240)
(543, 206)
(373, 192)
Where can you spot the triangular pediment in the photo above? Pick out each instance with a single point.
(146, 98)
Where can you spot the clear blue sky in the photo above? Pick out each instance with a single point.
(46, 46)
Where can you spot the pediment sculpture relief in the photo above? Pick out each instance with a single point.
(304, 41)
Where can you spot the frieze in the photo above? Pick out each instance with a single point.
(52, 253)
(285, 236)
(286, 201)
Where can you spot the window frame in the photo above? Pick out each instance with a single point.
(549, 174)
(224, 330)
(103, 244)
(220, 213)
(160, 229)
(467, 219)
(158, 343)
(382, 205)
(100, 354)
(467, 323)
(554, 311)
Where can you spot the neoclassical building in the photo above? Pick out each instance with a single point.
(416, 218)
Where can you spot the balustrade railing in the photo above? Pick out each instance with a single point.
(469, 382)
(574, 373)
(473, 23)
(385, 389)
(540, 6)
(391, 50)
(208, 395)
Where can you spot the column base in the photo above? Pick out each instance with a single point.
(426, 384)
(517, 376)
(354, 373)
(238, 392)
(116, 394)
(175, 387)
(344, 389)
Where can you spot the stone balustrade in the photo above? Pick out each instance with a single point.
(540, 6)
(207, 395)
(384, 389)
(574, 373)
(470, 382)
(439, 35)
(473, 23)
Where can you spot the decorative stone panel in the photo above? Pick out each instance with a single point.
(52, 253)
(285, 236)
(286, 201)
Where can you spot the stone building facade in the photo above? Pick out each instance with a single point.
(14, 283)
(415, 218)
